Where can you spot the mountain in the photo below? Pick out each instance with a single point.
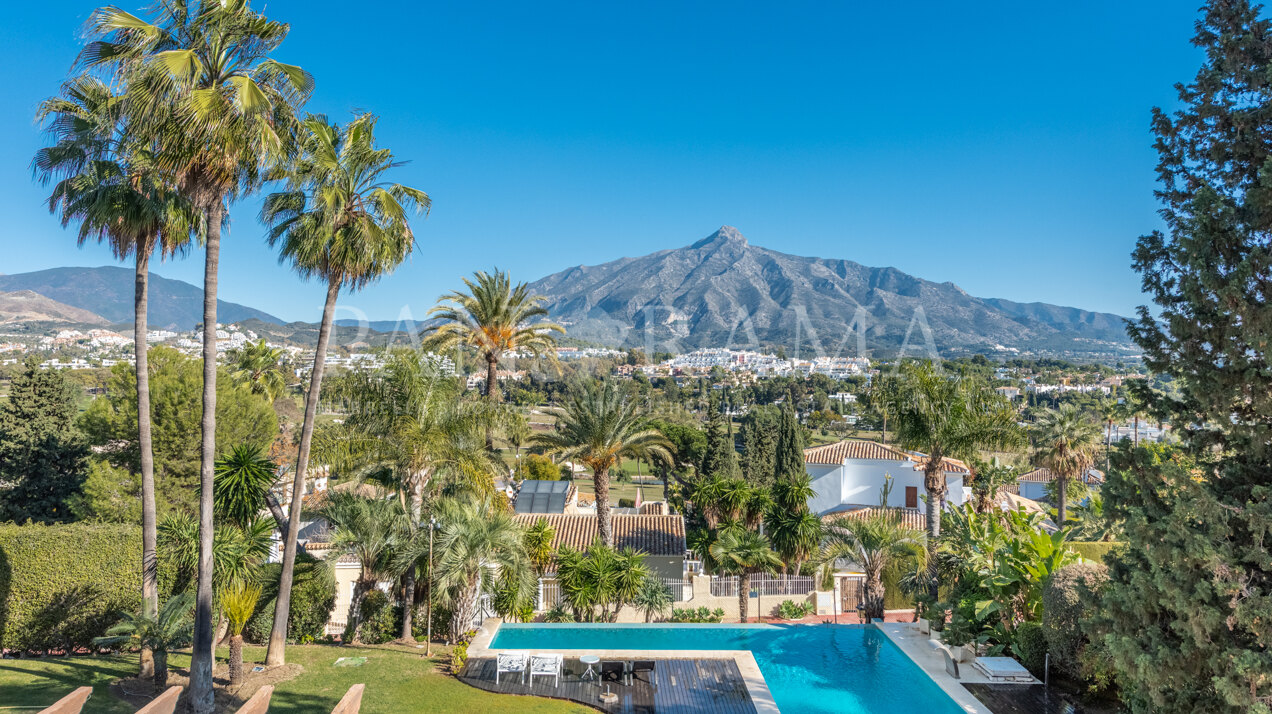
(108, 292)
(30, 306)
(722, 291)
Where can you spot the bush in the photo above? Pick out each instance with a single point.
(558, 614)
(377, 625)
(1066, 599)
(701, 614)
(1031, 647)
(313, 596)
(791, 610)
(63, 585)
(626, 503)
(540, 468)
(1094, 551)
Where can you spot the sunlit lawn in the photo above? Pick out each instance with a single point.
(397, 679)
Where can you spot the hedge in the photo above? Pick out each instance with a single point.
(1094, 551)
(62, 585)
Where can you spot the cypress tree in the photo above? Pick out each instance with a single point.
(789, 458)
(721, 459)
(1188, 614)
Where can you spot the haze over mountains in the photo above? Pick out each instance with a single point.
(718, 292)
(722, 291)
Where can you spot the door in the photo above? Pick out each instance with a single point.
(911, 496)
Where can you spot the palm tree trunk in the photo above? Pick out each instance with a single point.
(236, 660)
(600, 484)
(408, 578)
(201, 701)
(1062, 500)
(161, 670)
(744, 596)
(874, 596)
(282, 607)
(360, 589)
(492, 391)
(932, 479)
(149, 559)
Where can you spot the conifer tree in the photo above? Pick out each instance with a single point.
(789, 459)
(42, 454)
(721, 458)
(1187, 610)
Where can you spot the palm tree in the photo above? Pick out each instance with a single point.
(653, 598)
(990, 480)
(743, 553)
(336, 218)
(221, 110)
(598, 426)
(1067, 443)
(238, 603)
(167, 630)
(375, 531)
(518, 434)
(410, 429)
(538, 544)
(495, 318)
(795, 532)
(259, 367)
(873, 542)
(944, 416)
(475, 543)
(107, 185)
(243, 477)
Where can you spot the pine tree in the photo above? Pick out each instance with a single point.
(1187, 610)
(789, 458)
(721, 458)
(42, 455)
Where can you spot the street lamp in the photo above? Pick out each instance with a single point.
(428, 638)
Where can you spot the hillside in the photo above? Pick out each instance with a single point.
(108, 291)
(24, 306)
(722, 291)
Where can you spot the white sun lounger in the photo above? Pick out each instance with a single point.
(512, 663)
(1003, 669)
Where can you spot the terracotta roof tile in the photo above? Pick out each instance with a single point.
(1044, 475)
(910, 517)
(834, 454)
(655, 535)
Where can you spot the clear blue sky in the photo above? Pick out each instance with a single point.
(1003, 146)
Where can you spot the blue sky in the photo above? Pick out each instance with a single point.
(1003, 146)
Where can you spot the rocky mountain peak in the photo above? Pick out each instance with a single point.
(727, 235)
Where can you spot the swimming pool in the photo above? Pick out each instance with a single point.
(851, 669)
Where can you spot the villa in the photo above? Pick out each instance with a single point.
(660, 537)
(848, 476)
(1033, 485)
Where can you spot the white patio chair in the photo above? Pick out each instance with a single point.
(546, 665)
(511, 662)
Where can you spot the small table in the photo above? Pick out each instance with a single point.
(589, 660)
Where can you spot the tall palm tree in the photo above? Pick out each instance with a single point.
(373, 530)
(743, 553)
(873, 542)
(494, 317)
(475, 543)
(599, 425)
(337, 218)
(947, 416)
(409, 428)
(538, 544)
(259, 367)
(1067, 443)
(221, 111)
(106, 183)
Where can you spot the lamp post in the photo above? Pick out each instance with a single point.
(428, 638)
(861, 612)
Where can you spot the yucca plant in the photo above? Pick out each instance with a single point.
(169, 629)
(238, 602)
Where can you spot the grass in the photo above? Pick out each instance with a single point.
(397, 679)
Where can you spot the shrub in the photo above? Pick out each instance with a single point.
(559, 613)
(313, 596)
(63, 585)
(540, 468)
(626, 503)
(701, 614)
(791, 610)
(1066, 599)
(1031, 647)
(1094, 551)
(377, 625)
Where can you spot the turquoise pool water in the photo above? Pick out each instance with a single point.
(849, 669)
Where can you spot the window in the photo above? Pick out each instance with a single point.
(911, 496)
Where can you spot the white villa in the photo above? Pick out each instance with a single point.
(1034, 483)
(849, 475)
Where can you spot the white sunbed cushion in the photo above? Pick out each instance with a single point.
(544, 665)
(511, 662)
(1002, 667)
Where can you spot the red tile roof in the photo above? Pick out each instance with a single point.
(835, 454)
(1045, 475)
(910, 517)
(655, 535)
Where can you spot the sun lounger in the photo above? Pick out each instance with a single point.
(613, 671)
(546, 665)
(642, 665)
(1003, 669)
(512, 663)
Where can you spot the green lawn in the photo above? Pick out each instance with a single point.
(397, 679)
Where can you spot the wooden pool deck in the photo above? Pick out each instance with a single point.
(679, 686)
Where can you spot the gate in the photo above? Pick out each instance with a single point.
(850, 592)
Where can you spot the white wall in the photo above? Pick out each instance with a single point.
(860, 481)
(1032, 490)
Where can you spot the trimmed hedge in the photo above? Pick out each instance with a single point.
(1031, 645)
(1067, 599)
(62, 585)
(1094, 551)
(313, 596)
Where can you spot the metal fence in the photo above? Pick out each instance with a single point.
(765, 585)
(724, 587)
(549, 595)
